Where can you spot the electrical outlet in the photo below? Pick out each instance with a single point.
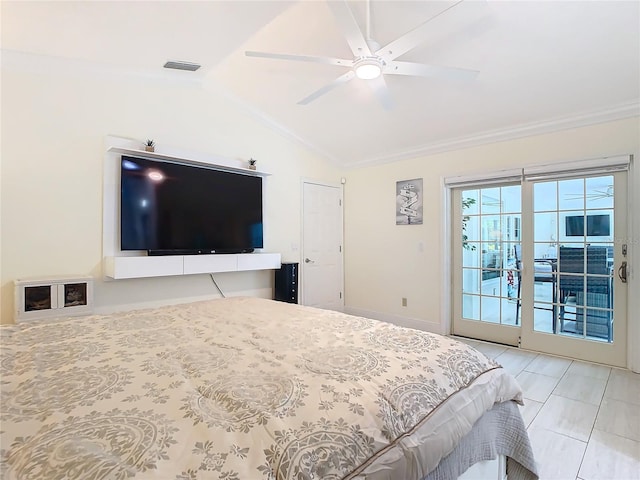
(404, 302)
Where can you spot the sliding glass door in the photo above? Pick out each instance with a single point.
(489, 221)
(539, 263)
(578, 227)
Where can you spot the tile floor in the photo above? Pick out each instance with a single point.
(583, 419)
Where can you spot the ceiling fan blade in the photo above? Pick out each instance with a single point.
(381, 91)
(327, 88)
(411, 39)
(350, 28)
(301, 58)
(423, 70)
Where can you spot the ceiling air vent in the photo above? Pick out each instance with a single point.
(192, 67)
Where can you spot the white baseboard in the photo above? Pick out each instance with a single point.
(399, 320)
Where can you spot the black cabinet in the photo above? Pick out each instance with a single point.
(286, 283)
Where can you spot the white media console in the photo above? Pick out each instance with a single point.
(160, 266)
(121, 265)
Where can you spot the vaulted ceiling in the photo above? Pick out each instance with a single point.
(542, 66)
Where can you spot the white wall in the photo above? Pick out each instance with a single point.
(52, 154)
(385, 262)
(53, 131)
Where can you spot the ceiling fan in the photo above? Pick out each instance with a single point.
(595, 194)
(370, 61)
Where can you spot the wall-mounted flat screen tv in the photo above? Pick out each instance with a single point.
(174, 208)
(597, 225)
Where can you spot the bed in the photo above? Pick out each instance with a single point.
(248, 388)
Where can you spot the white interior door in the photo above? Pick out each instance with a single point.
(322, 265)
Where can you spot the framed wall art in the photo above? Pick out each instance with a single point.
(409, 202)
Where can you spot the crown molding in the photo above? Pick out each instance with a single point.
(594, 117)
(45, 64)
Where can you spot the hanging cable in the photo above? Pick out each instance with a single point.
(216, 284)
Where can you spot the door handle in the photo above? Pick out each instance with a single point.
(622, 272)
(308, 260)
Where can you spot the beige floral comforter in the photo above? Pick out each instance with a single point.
(236, 389)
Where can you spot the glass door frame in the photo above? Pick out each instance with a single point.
(614, 353)
(494, 332)
(523, 335)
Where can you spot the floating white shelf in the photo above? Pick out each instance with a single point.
(169, 265)
(188, 161)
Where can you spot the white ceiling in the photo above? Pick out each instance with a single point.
(543, 65)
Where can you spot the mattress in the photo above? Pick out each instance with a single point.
(238, 388)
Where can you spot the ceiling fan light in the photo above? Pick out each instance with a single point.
(368, 71)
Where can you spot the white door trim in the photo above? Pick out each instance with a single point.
(449, 182)
(446, 310)
(633, 272)
(339, 185)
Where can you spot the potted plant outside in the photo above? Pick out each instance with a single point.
(150, 146)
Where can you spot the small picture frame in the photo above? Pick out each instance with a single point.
(63, 296)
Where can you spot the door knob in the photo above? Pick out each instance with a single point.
(622, 272)
(308, 260)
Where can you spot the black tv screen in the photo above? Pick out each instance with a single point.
(170, 208)
(597, 225)
(574, 226)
